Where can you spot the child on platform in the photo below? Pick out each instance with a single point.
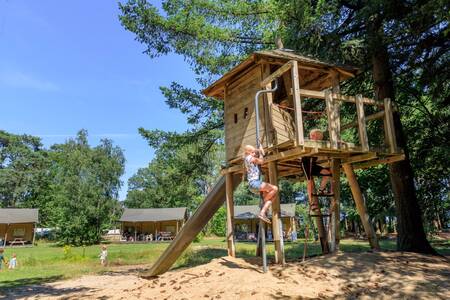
(253, 158)
(104, 256)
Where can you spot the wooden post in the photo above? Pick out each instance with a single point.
(34, 234)
(6, 235)
(360, 206)
(335, 205)
(230, 214)
(135, 233)
(299, 134)
(177, 228)
(276, 218)
(267, 106)
(361, 119)
(389, 129)
(334, 123)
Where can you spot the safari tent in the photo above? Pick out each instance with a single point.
(17, 226)
(246, 220)
(138, 222)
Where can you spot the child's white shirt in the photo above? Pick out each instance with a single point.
(12, 263)
(103, 254)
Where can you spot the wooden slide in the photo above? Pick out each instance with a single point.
(193, 226)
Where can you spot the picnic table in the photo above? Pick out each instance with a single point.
(165, 236)
(18, 241)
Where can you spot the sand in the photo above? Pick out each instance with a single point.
(381, 275)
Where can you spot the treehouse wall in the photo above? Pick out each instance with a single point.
(240, 122)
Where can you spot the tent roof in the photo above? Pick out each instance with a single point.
(314, 70)
(252, 211)
(153, 214)
(19, 215)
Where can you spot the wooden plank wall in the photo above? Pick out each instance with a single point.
(239, 98)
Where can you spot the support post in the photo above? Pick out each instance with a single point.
(34, 234)
(360, 206)
(336, 202)
(361, 119)
(6, 235)
(276, 218)
(230, 214)
(299, 134)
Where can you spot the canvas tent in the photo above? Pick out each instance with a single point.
(17, 225)
(246, 221)
(138, 222)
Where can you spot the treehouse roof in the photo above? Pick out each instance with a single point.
(314, 74)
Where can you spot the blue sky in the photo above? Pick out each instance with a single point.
(68, 65)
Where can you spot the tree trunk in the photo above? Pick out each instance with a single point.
(411, 235)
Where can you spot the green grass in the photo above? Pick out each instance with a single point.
(47, 262)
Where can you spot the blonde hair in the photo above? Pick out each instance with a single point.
(316, 134)
(248, 149)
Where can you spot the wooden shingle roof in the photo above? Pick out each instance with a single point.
(314, 71)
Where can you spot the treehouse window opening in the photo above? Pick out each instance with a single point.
(245, 113)
(235, 118)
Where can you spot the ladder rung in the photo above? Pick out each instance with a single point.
(323, 195)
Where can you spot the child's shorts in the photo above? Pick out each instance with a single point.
(255, 186)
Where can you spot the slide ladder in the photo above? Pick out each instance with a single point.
(193, 226)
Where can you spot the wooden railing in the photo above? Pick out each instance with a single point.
(333, 102)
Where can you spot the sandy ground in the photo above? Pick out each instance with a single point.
(382, 275)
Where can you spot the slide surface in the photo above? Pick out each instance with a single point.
(193, 226)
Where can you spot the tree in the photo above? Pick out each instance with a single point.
(401, 45)
(84, 188)
(23, 166)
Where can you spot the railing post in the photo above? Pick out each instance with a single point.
(334, 123)
(361, 119)
(299, 135)
(389, 129)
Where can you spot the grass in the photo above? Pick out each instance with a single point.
(47, 262)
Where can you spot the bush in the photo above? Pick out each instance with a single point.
(218, 222)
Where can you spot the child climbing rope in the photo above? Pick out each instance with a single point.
(253, 158)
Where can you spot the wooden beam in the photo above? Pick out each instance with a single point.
(230, 214)
(298, 119)
(361, 157)
(360, 206)
(377, 115)
(344, 98)
(387, 160)
(284, 68)
(389, 126)
(276, 216)
(362, 130)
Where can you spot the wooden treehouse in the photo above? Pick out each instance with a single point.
(307, 95)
